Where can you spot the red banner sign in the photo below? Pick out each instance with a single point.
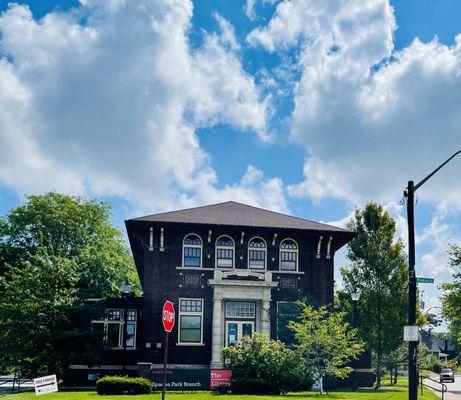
(220, 377)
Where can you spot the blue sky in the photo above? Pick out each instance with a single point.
(309, 107)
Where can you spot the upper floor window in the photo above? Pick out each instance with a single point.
(225, 249)
(288, 255)
(192, 251)
(257, 251)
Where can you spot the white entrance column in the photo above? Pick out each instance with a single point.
(265, 318)
(217, 334)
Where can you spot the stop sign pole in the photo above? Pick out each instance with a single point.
(168, 321)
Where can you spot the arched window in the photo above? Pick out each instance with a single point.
(225, 250)
(192, 251)
(288, 255)
(257, 251)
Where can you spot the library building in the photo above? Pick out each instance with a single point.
(230, 269)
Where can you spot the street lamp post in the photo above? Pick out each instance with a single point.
(412, 346)
(126, 291)
(355, 296)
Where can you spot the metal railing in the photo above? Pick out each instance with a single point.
(442, 389)
(13, 384)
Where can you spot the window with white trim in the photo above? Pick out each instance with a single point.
(190, 329)
(257, 252)
(240, 309)
(225, 251)
(112, 328)
(288, 255)
(192, 251)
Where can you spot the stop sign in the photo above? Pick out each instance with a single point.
(168, 316)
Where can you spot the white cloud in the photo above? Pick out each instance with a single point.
(106, 99)
(250, 5)
(436, 239)
(369, 117)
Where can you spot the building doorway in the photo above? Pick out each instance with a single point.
(240, 320)
(235, 330)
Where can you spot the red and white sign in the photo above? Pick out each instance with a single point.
(168, 316)
(46, 384)
(220, 377)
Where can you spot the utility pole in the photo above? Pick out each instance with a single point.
(413, 346)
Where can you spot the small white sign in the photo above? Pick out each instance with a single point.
(410, 333)
(46, 384)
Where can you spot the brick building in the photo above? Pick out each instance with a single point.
(231, 269)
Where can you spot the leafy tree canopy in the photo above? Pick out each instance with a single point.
(379, 270)
(451, 300)
(55, 252)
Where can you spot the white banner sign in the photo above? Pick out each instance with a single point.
(46, 384)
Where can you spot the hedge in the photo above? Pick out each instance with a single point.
(247, 385)
(123, 385)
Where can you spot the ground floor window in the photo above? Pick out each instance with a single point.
(190, 330)
(118, 328)
(286, 311)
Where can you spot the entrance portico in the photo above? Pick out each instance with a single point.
(239, 285)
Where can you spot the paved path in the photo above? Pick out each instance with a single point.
(454, 389)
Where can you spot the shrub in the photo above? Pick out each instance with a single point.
(123, 385)
(252, 386)
(269, 361)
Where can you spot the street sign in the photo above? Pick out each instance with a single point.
(168, 316)
(46, 384)
(424, 280)
(168, 320)
(410, 333)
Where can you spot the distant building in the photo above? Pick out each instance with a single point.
(444, 349)
(231, 270)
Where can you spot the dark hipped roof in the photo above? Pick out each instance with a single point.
(238, 214)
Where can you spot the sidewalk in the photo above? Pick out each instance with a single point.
(454, 389)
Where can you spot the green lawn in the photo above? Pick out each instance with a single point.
(386, 393)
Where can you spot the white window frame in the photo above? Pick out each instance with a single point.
(240, 324)
(225, 248)
(195, 246)
(258, 249)
(240, 317)
(135, 323)
(296, 251)
(190, 313)
(121, 327)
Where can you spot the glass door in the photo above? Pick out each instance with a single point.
(235, 330)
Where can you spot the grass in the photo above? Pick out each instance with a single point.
(398, 392)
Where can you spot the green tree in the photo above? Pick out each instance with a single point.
(394, 360)
(379, 269)
(55, 252)
(326, 341)
(451, 299)
(259, 358)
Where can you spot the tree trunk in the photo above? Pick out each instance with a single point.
(396, 374)
(321, 385)
(391, 374)
(378, 370)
